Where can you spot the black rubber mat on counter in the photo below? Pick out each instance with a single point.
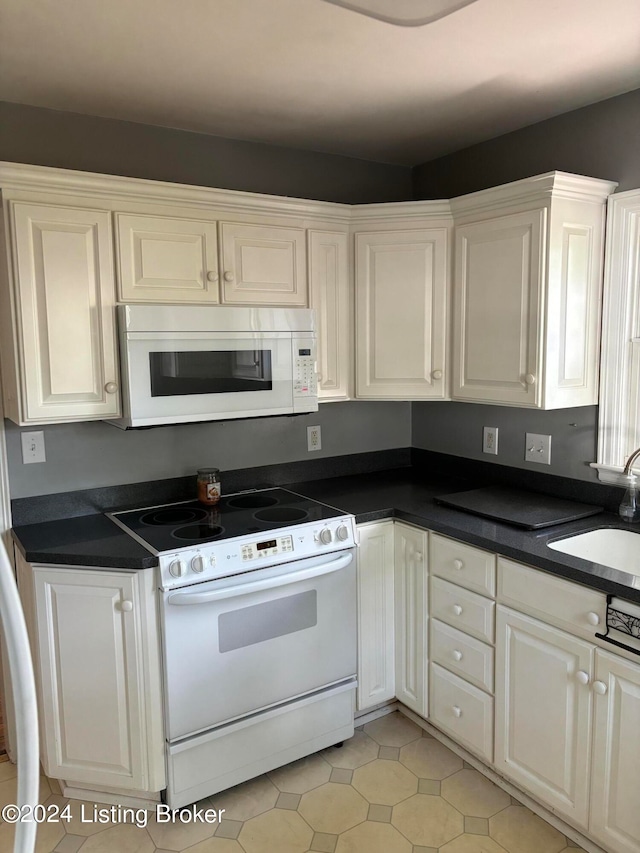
(513, 506)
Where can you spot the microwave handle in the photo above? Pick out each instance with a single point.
(185, 598)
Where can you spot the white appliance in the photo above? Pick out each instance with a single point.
(258, 613)
(23, 688)
(182, 363)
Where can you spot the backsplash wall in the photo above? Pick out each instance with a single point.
(456, 428)
(97, 454)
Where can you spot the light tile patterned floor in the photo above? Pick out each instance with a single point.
(390, 789)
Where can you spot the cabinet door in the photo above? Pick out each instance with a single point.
(263, 265)
(66, 293)
(330, 297)
(92, 684)
(615, 786)
(543, 712)
(410, 547)
(401, 314)
(376, 680)
(498, 286)
(162, 259)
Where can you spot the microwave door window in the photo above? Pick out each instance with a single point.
(182, 373)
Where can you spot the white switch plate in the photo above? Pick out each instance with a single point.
(33, 447)
(314, 438)
(490, 440)
(537, 448)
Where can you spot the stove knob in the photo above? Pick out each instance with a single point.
(197, 563)
(326, 536)
(177, 568)
(342, 532)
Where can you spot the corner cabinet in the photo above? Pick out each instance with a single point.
(527, 292)
(95, 641)
(60, 359)
(401, 314)
(411, 619)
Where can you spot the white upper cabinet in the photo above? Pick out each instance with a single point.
(527, 292)
(165, 259)
(62, 365)
(263, 265)
(401, 314)
(330, 297)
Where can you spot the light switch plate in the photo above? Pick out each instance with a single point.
(537, 448)
(33, 447)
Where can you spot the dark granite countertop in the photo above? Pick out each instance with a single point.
(405, 494)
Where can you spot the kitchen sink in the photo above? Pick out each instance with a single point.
(618, 549)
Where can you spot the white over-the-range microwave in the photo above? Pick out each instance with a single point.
(182, 363)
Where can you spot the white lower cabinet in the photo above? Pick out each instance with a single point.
(615, 770)
(410, 544)
(543, 711)
(95, 639)
(462, 711)
(376, 659)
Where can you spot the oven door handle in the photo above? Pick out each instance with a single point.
(184, 598)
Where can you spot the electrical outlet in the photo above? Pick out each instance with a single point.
(314, 438)
(490, 440)
(537, 448)
(33, 447)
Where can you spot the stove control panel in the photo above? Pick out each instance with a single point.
(211, 560)
(268, 548)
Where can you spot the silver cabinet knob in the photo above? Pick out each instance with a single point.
(212, 275)
(228, 276)
(111, 387)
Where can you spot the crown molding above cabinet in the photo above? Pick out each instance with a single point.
(378, 275)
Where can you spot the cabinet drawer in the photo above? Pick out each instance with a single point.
(462, 654)
(463, 564)
(462, 711)
(559, 602)
(463, 609)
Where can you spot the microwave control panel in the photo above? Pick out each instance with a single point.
(304, 369)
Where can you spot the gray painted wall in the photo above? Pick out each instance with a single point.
(72, 141)
(601, 141)
(90, 455)
(456, 428)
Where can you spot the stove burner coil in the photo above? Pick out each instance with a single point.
(198, 532)
(177, 515)
(280, 514)
(252, 501)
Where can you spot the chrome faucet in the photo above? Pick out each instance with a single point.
(630, 461)
(629, 509)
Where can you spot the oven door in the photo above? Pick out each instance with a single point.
(188, 376)
(241, 644)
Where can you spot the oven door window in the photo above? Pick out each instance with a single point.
(176, 374)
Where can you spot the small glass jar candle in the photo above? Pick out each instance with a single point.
(209, 486)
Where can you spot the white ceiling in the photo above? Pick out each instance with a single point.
(309, 74)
